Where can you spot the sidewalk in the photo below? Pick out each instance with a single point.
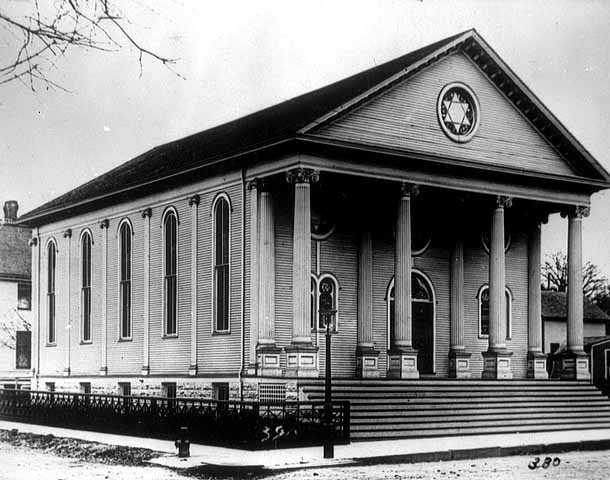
(357, 453)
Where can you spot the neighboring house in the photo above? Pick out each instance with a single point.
(554, 316)
(403, 203)
(15, 299)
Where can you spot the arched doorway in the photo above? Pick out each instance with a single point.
(422, 308)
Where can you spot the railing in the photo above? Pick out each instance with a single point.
(250, 425)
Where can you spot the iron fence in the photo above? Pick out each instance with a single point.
(251, 425)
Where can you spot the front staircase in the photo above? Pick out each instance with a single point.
(383, 409)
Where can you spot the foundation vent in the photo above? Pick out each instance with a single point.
(271, 392)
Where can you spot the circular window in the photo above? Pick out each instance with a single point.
(458, 112)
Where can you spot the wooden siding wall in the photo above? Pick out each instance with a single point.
(217, 353)
(339, 256)
(405, 118)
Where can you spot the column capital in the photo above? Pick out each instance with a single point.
(33, 242)
(147, 212)
(67, 233)
(576, 211)
(104, 223)
(254, 184)
(194, 200)
(409, 189)
(302, 175)
(503, 201)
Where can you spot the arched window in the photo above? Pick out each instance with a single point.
(324, 299)
(221, 264)
(170, 262)
(85, 298)
(483, 298)
(51, 263)
(125, 279)
(421, 291)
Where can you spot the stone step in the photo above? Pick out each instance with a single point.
(354, 393)
(404, 418)
(422, 412)
(385, 435)
(466, 407)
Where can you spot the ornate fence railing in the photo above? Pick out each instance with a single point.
(250, 425)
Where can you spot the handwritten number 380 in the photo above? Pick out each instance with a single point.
(548, 461)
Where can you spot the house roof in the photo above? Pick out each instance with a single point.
(296, 119)
(15, 253)
(555, 307)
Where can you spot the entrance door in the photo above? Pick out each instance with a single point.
(423, 335)
(422, 308)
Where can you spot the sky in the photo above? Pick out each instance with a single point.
(236, 57)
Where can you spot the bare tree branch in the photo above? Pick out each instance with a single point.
(49, 29)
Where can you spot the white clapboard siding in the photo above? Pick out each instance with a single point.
(405, 118)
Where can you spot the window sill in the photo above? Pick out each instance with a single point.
(170, 335)
(221, 332)
(125, 339)
(50, 344)
(86, 342)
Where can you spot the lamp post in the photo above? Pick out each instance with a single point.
(327, 317)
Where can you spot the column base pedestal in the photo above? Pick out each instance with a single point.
(268, 361)
(103, 371)
(574, 366)
(497, 365)
(192, 370)
(536, 366)
(367, 365)
(145, 372)
(402, 363)
(302, 361)
(459, 364)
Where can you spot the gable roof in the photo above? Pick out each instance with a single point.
(295, 119)
(555, 307)
(15, 253)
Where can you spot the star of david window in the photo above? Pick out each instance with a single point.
(458, 112)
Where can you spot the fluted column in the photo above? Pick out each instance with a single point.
(146, 214)
(366, 355)
(575, 363)
(104, 295)
(301, 356)
(459, 359)
(497, 358)
(68, 236)
(194, 204)
(253, 187)
(536, 359)
(402, 356)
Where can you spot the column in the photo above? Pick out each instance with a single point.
(146, 214)
(35, 327)
(68, 236)
(536, 359)
(497, 359)
(104, 295)
(459, 359)
(575, 363)
(366, 355)
(253, 188)
(194, 204)
(268, 355)
(301, 355)
(402, 356)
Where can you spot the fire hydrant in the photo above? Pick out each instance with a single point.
(183, 444)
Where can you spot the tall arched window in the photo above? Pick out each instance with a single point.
(170, 262)
(85, 287)
(483, 298)
(125, 279)
(314, 303)
(221, 264)
(51, 262)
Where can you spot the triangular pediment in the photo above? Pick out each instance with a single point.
(407, 117)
